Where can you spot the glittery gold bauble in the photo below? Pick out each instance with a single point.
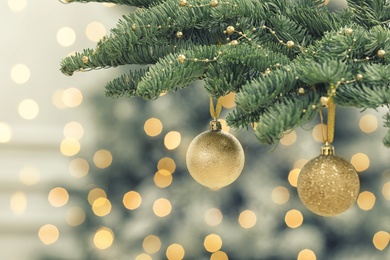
(328, 185)
(215, 158)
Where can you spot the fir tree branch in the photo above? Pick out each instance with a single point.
(125, 85)
(272, 51)
(238, 65)
(286, 115)
(262, 92)
(370, 12)
(170, 72)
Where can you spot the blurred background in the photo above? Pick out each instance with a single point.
(83, 176)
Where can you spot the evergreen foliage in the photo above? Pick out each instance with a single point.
(279, 56)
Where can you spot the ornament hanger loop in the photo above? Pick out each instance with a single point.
(328, 133)
(218, 108)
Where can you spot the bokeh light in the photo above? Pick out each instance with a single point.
(280, 195)
(219, 255)
(175, 252)
(70, 146)
(78, 167)
(108, 4)
(74, 130)
(66, 36)
(132, 200)
(289, 139)
(5, 132)
(20, 73)
(95, 31)
(58, 197)
(318, 132)
(28, 109)
(293, 177)
(386, 190)
(368, 123)
(75, 216)
(162, 180)
(293, 218)
(228, 100)
(213, 217)
(102, 158)
(381, 239)
(153, 127)
(17, 5)
(103, 238)
(57, 99)
(247, 219)
(298, 164)
(224, 125)
(95, 194)
(29, 175)
(306, 254)
(151, 244)
(72, 97)
(162, 207)
(360, 161)
(366, 200)
(166, 163)
(101, 207)
(18, 203)
(212, 243)
(143, 256)
(48, 234)
(172, 140)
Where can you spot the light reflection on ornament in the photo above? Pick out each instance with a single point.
(328, 185)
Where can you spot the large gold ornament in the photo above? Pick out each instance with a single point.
(215, 158)
(328, 185)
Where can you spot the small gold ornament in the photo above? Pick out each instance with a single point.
(181, 58)
(215, 158)
(328, 185)
(348, 31)
(134, 27)
(324, 101)
(290, 45)
(301, 91)
(85, 59)
(183, 3)
(214, 3)
(381, 53)
(230, 30)
(359, 77)
(179, 34)
(234, 42)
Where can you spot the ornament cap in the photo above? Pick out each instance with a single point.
(327, 149)
(215, 125)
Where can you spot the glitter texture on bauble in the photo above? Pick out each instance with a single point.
(328, 185)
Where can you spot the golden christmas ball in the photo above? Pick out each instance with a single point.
(215, 158)
(328, 185)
